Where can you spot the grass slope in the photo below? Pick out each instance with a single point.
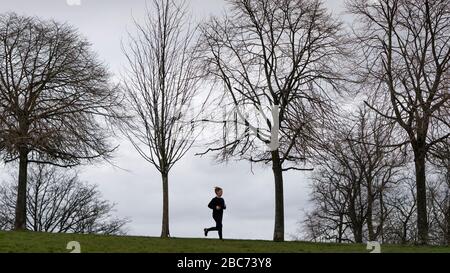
(50, 242)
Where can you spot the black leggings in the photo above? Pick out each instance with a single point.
(218, 226)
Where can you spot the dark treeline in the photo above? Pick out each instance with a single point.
(57, 201)
(363, 188)
(401, 64)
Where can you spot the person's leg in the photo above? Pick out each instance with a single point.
(220, 231)
(211, 228)
(219, 227)
(206, 230)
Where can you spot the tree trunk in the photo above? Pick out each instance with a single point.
(448, 225)
(448, 202)
(380, 229)
(358, 233)
(421, 192)
(165, 218)
(278, 234)
(340, 229)
(370, 228)
(448, 221)
(21, 206)
(404, 233)
(355, 221)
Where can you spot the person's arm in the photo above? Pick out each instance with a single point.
(211, 204)
(223, 204)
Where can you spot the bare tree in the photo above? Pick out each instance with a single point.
(57, 201)
(438, 208)
(356, 168)
(406, 51)
(400, 201)
(439, 193)
(52, 92)
(161, 84)
(275, 60)
(328, 220)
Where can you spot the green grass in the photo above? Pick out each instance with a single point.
(48, 242)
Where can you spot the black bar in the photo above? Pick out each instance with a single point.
(235, 262)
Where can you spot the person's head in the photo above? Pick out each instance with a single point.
(218, 191)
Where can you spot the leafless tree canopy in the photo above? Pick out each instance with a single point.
(161, 84)
(57, 201)
(356, 169)
(268, 53)
(52, 87)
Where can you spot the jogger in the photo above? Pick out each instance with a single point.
(217, 204)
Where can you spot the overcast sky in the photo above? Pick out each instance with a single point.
(137, 189)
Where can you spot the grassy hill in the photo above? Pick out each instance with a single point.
(50, 242)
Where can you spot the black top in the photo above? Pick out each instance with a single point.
(216, 201)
